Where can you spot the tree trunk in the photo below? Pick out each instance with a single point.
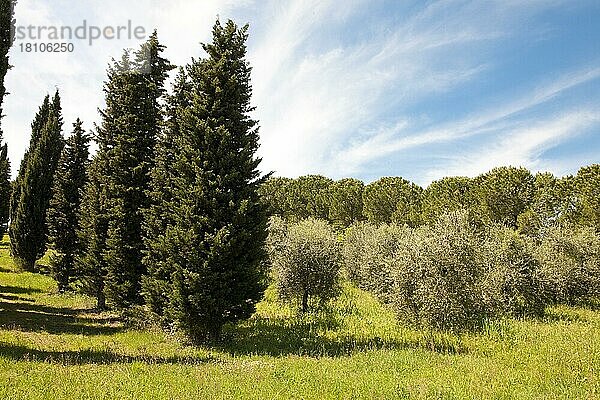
(100, 301)
(305, 301)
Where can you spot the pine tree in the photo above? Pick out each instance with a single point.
(6, 25)
(214, 243)
(127, 140)
(63, 213)
(33, 188)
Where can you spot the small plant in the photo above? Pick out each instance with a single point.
(307, 263)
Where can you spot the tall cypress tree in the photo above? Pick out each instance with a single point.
(36, 128)
(90, 265)
(33, 188)
(159, 215)
(63, 213)
(6, 25)
(214, 244)
(127, 139)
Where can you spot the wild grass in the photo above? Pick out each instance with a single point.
(54, 346)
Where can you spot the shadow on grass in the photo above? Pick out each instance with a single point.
(22, 353)
(12, 297)
(280, 337)
(19, 290)
(55, 320)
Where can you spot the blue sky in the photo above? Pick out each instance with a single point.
(419, 89)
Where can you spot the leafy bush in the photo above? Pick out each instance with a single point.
(437, 276)
(570, 263)
(306, 263)
(511, 285)
(368, 252)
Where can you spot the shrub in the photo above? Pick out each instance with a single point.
(570, 264)
(511, 285)
(307, 263)
(367, 253)
(437, 277)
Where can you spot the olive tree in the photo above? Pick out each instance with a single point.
(306, 263)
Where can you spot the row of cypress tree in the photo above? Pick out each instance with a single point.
(6, 24)
(167, 212)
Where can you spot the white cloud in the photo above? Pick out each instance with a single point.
(402, 137)
(521, 146)
(329, 101)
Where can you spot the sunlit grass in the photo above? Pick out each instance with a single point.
(54, 346)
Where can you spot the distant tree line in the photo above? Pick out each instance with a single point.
(510, 196)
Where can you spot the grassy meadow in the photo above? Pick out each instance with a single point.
(55, 346)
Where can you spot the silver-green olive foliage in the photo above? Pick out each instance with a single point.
(307, 263)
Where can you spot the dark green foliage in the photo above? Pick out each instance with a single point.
(392, 199)
(36, 127)
(308, 196)
(33, 187)
(6, 24)
(504, 193)
(90, 265)
(5, 189)
(213, 246)
(554, 201)
(127, 138)
(447, 195)
(587, 189)
(159, 216)
(306, 263)
(63, 213)
(274, 193)
(346, 203)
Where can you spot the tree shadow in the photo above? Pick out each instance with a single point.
(280, 337)
(87, 356)
(12, 297)
(54, 320)
(19, 290)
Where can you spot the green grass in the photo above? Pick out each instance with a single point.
(53, 346)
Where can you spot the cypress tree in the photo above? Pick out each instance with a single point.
(36, 127)
(214, 243)
(63, 217)
(90, 265)
(127, 139)
(33, 188)
(6, 40)
(131, 163)
(159, 215)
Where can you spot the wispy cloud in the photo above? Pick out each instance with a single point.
(320, 111)
(402, 137)
(338, 88)
(520, 146)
